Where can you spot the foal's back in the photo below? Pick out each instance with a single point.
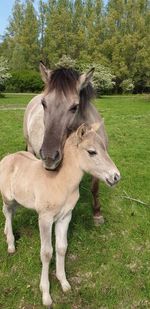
(24, 180)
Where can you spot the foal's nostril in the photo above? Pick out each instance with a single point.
(116, 177)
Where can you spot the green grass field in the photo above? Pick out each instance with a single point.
(108, 266)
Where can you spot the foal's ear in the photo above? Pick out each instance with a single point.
(95, 126)
(85, 78)
(82, 130)
(45, 73)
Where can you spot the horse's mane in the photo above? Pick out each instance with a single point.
(65, 80)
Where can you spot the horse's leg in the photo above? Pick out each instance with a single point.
(98, 218)
(61, 229)
(8, 231)
(45, 226)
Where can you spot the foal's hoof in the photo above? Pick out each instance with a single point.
(98, 220)
(66, 286)
(11, 249)
(47, 301)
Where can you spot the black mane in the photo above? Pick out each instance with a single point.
(65, 80)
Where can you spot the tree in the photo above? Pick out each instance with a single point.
(127, 40)
(30, 36)
(22, 37)
(12, 39)
(42, 27)
(58, 32)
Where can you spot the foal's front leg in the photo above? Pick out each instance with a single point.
(98, 217)
(45, 226)
(61, 229)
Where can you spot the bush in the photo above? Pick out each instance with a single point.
(4, 72)
(103, 80)
(24, 81)
(127, 86)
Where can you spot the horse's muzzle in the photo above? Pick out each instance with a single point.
(51, 161)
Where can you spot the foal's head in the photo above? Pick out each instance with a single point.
(93, 156)
(61, 103)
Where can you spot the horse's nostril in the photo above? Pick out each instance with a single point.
(42, 155)
(55, 155)
(116, 177)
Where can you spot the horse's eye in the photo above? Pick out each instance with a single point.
(92, 152)
(74, 108)
(43, 102)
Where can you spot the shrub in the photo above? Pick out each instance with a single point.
(103, 80)
(67, 62)
(24, 81)
(127, 86)
(4, 73)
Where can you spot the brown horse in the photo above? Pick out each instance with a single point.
(51, 116)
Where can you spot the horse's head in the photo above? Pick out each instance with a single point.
(93, 156)
(61, 104)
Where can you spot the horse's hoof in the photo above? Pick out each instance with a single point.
(98, 220)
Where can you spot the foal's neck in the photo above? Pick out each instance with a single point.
(71, 173)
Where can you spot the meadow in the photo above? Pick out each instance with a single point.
(108, 266)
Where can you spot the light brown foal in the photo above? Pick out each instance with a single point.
(24, 181)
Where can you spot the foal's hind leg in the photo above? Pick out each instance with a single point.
(98, 218)
(8, 213)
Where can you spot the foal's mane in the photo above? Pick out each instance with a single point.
(65, 80)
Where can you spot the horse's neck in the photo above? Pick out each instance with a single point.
(87, 114)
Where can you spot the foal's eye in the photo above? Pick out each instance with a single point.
(92, 152)
(74, 108)
(43, 102)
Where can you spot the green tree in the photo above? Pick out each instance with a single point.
(127, 40)
(12, 40)
(30, 36)
(58, 34)
(22, 36)
(42, 27)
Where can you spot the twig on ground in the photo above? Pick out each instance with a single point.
(126, 196)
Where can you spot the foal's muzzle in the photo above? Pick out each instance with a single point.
(112, 180)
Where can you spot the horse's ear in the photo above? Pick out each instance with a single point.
(82, 130)
(45, 73)
(85, 78)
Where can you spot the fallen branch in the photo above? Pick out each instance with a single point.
(126, 196)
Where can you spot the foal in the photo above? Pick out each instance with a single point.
(23, 180)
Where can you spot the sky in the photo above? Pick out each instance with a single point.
(5, 12)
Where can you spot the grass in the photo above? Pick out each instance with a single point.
(107, 266)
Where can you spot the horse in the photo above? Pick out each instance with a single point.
(52, 115)
(53, 194)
